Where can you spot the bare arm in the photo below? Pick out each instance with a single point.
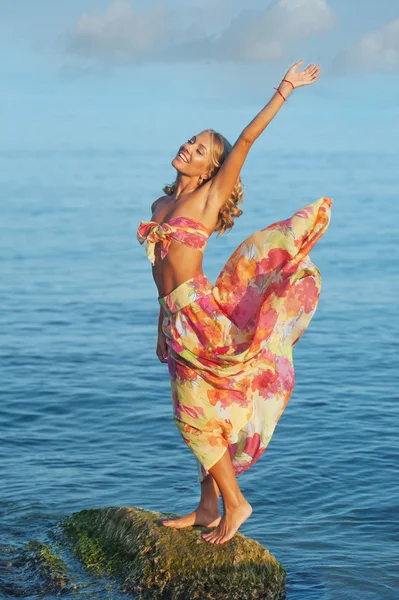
(160, 319)
(162, 347)
(263, 118)
(155, 204)
(224, 181)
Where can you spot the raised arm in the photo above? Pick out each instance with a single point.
(224, 181)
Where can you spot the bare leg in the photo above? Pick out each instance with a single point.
(236, 508)
(207, 513)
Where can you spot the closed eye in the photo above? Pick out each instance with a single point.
(192, 142)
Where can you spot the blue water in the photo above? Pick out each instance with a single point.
(86, 415)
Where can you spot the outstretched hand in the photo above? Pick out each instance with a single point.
(305, 77)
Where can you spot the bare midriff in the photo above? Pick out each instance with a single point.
(180, 264)
(182, 261)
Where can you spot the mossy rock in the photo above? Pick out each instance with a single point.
(161, 563)
(46, 559)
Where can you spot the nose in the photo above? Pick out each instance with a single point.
(185, 148)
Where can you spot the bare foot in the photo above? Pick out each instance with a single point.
(229, 524)
(200, 516)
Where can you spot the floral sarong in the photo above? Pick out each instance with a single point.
(230, 344)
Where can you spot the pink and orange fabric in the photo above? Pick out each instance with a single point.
(230, 344)
(181, 229)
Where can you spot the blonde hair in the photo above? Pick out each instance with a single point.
(220, 148)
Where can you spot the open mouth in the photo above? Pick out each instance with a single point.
(182, 157)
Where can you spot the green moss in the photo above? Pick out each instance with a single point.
(156, 562)
(47, 560)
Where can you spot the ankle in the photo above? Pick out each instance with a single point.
(235, 502)
(209, 507)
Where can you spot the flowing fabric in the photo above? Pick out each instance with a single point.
(230, 344)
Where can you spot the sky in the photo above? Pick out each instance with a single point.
(112, 73)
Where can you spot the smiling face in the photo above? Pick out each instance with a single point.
(193, 157)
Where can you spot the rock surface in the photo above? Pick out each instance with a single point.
(158, 563)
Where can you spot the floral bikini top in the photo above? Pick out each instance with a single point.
(180, 229)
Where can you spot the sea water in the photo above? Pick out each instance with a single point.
(86, 413)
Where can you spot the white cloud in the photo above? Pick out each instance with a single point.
(122, 34)
(376, 51)
(269, 34)
(119, 33)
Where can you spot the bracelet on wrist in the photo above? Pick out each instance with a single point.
(290, 82)
(280, 94)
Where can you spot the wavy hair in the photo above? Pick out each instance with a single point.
(220, 148)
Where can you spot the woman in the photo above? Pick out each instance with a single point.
(229, 346)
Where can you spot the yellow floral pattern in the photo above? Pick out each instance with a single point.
(230, 344)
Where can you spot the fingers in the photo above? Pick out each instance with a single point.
(314, 74)
(305, 77)
(162, 354)
(162, 350)
(162, 358)
(311, 74)
(312, 68)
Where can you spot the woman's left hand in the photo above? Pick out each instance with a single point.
(305, 77)
(162, 348)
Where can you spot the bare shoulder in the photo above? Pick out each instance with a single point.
(157, 202)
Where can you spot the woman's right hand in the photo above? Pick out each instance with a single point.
(162, 348)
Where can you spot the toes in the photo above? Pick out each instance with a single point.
(211, 537)
(222, 540)
(208, 537)
(216, 538)
(210, 533)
